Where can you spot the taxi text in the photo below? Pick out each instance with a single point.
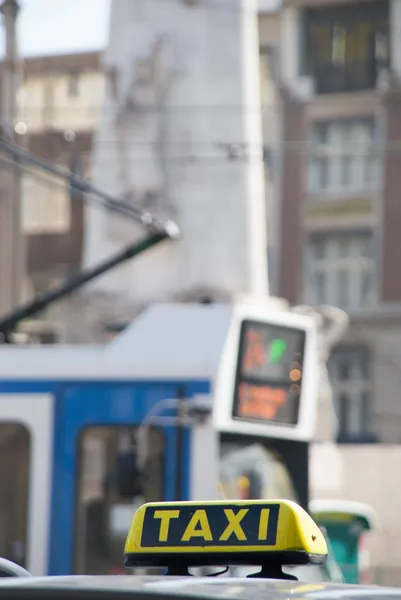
(213, 525)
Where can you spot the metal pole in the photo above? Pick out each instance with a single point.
(110, 202)
(10, 321)
(12, 242)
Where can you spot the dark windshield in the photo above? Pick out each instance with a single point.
(250, 471)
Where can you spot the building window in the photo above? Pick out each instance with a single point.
(268, 64)
(341, 271)
(346, 46)
(73, 85)
(343, 158)
(45, 204)
(349, 377)
(266, 71)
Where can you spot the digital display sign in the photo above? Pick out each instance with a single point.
(269, 373)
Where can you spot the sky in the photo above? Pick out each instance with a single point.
(61, 26)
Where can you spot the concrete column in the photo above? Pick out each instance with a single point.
(184, 139)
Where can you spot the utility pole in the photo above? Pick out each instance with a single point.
(12, 242)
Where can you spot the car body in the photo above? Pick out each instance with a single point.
(133, 587)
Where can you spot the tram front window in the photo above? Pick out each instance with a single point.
(250, 471)
(14, 478)
(109, 490)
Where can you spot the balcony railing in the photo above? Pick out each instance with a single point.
(353, 76)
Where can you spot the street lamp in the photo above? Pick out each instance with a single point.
(12, 242)
(10, 9)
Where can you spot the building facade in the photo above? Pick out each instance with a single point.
(180, 135)
(339, 210)
(58, 108)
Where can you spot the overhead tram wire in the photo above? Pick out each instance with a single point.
(108, 201)
(156, 232)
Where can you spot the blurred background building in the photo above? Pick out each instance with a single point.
(58, 109)
(59, 105)
(331, 121)
(331, 109)
(339, 202)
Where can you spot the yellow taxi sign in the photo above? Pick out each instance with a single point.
(221, 532)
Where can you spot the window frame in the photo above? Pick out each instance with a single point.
(321, 22)
(337, 149)
(41, 196)
(356, 267)
(359, 357)
(268, 52)
(73, 84)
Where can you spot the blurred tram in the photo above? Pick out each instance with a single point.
(189, 401)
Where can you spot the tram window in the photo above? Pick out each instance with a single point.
(250, 471)
(105, 504)
(14, 478)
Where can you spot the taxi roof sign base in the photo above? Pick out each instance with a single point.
(271, 572)
(180, 560)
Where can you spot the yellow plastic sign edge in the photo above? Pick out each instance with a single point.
(296, 530)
